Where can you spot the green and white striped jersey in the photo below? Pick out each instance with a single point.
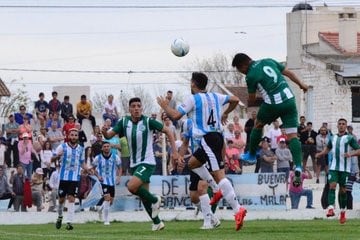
(340, 145)
(140, 138)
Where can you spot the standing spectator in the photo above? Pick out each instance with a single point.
(172, 104)
(12, 132)
(25, 127)
(237, 124)
(284, 157)
(229, 133)
(17, 181)
(238, 142)
(83, 111)
(273, 134)
(108, 166)
(82, 135)
(19, 117)
(302, 127)
(110, 110)
(142, 155)
(37, 192)
(296, 190)
(308, 141)
(125, 156)
(169, 124)
(70, 124)
(232, 155)
(66, 109)
(350, 130)
(55, 136)
(114, 141)
(54, 188)
(71, 158)
(354, 171)
(45, 155)
(158, 153)
(54, 104)
(5, 189)
(249, 125)
(283, 135)
(97, 145)
(41, 109)
(94, 134)
(267, 156)
(25, 149)
(343, 147)
(89, 158)
(322, 140)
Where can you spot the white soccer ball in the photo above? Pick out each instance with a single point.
(180, 47)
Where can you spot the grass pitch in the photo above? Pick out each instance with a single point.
(255, 229)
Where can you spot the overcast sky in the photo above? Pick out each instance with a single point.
(131, 36)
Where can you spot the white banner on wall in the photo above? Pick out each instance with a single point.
(254, 191)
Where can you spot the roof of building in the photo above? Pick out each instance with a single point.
(349, 70)
(4, 91)
(332, 38)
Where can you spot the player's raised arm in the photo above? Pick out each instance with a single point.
(233, 102)
(164, 104)
(291, 75)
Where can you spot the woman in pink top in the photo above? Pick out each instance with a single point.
(232, 155)
(25, 149)
(25, 128)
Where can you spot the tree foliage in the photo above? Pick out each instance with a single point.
(17, 98)
(218, 69)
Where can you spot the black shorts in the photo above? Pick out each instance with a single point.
(107, 189)
(68, 188)
(210, 151)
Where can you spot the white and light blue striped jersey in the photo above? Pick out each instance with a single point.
(106, 167)
(205, 110)
(187, 133)
(340, 145)
(70, 161)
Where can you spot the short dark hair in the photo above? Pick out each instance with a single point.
(342, 119)
(66, 97)
(169, 91)
(134, 99)
(199, 79)
(309, 123)
(41, 94)
(54, 93)
(83, 96)
(240, 59)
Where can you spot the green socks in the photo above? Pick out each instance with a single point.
(143, 193)
(295, 149)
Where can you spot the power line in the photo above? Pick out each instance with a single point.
(109, 71)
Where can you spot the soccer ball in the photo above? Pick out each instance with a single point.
(180, 47)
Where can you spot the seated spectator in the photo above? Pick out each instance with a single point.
(66, 109)
(284, 157)
(232, 154)
(17, 181)
(114, 141)
(89, 158)
(5, 190)
(42, 137)
(54, 117)
(296, 191)
(19, 117)
(110, 111)
(41, 109)
(238, 142)
(54, 104)
(267, 156)
(37, 188)
(83, 111)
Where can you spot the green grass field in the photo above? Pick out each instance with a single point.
(259, 229)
